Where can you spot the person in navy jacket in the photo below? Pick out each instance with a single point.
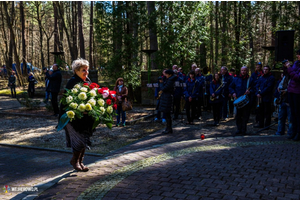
(208, 80)
(264, 91)
(216, 90)
(201, 79)
(191, 93)
(178, 94)
(226, 79)
(241, 85)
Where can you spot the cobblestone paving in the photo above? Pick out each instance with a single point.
(230, 168)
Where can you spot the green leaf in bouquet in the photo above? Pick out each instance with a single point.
(63, 121)
(109, 125)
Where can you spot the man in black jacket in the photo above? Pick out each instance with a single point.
(55, 78)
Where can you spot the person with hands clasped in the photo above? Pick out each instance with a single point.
(121, 93)
(191, 93)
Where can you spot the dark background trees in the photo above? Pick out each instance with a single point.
(111, 34)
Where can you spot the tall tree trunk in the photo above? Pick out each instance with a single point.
(56, 37)
(216, 33)
(91, 35)
(39, 19)
(22, 18)
(211, 36)
(224, 28)
(152, 32)
(249, 16)
(274, 21)
(80, 22)
(9, 20)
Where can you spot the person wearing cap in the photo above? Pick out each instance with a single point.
(294, 96)
(255, 76)
(166, 99)
(264, 93)
(55, 78)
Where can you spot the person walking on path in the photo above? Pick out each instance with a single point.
(166, 99)
(31, 88)
(12, 84)
(55, 78)
(79, 131)
(294, 96)
(121, 93)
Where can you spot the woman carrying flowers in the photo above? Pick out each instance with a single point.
(121, 93)
(79, 130)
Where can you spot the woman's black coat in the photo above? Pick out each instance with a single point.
(85, 124)
(166, 98)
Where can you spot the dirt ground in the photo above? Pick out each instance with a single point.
(40, 132)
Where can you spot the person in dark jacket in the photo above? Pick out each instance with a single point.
(226, 80)
(294, 97)
(191, 93)
(241, 85)
(201, 79)
(257, 74)
(47, 81)
(79, 131)
(55, 78)
(216, 97)
(31, 88)
(178, 94)
(12, 84)
(264, 91)
(156, 95)
(166, 98)
(208, 80)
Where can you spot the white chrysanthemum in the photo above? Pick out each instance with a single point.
(83, 89)
(92, 102)
(102, 110)
(109, 109)
(74, 105)
(70, 114)
(81, 107)
(101, 102)
(69, 99)
(82, 96)
(77, 86)
(93, 93)
(74, 91)
(88, 107)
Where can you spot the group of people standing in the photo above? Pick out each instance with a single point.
(219, 90)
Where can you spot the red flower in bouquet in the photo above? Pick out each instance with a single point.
(94, 85)
(108, 102)
(85, 84)
(101, 90)
(115, 106)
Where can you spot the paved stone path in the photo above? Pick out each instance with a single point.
(175, 166)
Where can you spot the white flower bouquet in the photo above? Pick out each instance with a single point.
(99, 103)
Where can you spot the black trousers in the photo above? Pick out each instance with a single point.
(190, 106)
(54, 102)
(265, 113)
(216, 111)
(242, 117)
(199, 106)
(169, 121)
(176, 106)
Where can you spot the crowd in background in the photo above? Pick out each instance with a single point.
(228, 94)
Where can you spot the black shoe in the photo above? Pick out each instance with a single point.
(291, 136)
(238, 132)
(297, 137)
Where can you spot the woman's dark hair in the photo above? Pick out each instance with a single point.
(169, 71)
(219, 75)
(192, 72)
(119, 79)
(267, 67)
